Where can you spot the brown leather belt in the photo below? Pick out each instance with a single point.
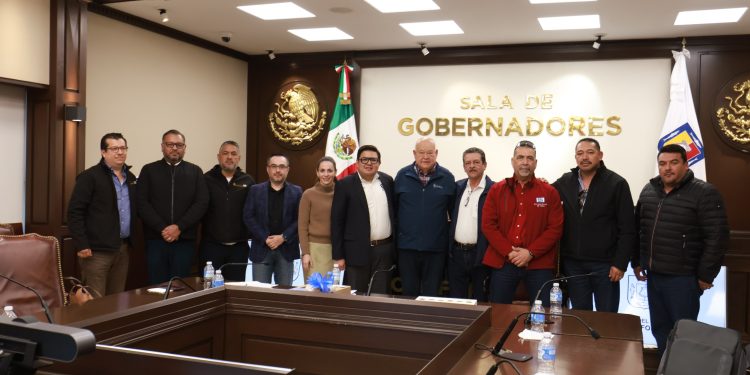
(384, 241)
(464, 246)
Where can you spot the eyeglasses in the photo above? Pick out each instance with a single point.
(369, 160)
(118, 149)
(177, 146)
(278, 166)
(528, 144)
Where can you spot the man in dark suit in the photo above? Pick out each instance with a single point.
(468, 243)
(270, 214)
(362, 224)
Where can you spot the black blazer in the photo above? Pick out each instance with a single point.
(350, 219)
(256, 219)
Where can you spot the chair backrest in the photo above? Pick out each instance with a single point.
(699, 348)
(34, 261)
(6, 229)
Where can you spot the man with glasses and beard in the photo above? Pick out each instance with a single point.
(172, 198)
(270, 214)
(522, 220)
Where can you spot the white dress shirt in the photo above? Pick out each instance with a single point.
(377, 205)
(467, 220)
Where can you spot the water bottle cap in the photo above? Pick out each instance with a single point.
(209, 262)
(335, 265)
(555, 284)
(218, 272)
(547, 335)
(538, 302)
(8, 308)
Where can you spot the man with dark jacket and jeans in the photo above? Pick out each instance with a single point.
(172, 198)
(599, 230)
(424, 193)
(224, 233)
(683, 234)
(101, 214)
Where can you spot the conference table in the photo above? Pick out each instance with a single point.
(298, 332)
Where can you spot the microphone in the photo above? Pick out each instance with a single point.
(169, 286)
(564, 278)
(41, 300)
(234, 264)
(493, 369)
(372, 278)
(499, 346)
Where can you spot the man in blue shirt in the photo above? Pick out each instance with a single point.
(101, 213)
(424, 193)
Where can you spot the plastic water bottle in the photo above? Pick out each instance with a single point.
(208, 275)
(537, 320)
(218, 279)
(336, 274)
(555, 300)
(9, 312)
(545, 357)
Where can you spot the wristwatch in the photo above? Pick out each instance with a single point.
(530, 253)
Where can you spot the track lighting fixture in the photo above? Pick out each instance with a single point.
(271, 55)
(597, 42)
(164, 15)
(424, 49)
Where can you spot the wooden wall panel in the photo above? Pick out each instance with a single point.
(55, 146)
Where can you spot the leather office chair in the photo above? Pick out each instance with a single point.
(6, 229)
(34, 261)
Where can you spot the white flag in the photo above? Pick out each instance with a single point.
(681, 124)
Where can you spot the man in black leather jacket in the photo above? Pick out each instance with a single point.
(683, 234)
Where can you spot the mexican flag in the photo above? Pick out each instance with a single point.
(681, 123)
(342, 142)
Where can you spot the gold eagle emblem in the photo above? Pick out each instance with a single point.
(733, 113)
(297, 118)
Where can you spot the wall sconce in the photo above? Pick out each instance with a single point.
(75, 113)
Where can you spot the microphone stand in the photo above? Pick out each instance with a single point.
(169, 286)
(499, 346)
(234, 264)
(539, 292)
(369, 285)
(41, 300)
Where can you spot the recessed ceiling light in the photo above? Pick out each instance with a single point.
(321, 33)
(396, 6)
(569, 22)
(557, 1)
(432, 28)
(698, 17)
(276, 11)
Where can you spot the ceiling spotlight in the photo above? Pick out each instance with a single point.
(164, 15)
(424, 49)
(271, 55)
(597, 42)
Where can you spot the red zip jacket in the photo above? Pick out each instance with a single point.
(542, 227)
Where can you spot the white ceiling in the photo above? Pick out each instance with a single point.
(485, 22)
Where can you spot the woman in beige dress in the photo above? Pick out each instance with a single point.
(314, 221)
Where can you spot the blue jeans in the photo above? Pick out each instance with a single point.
(605, 293)
(220, 254)
(274, 264)
(421, 271)
(463, 271)
(168, 259)
(671, 298)
(504, 281)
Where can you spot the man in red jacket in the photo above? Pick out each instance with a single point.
(522, 220)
